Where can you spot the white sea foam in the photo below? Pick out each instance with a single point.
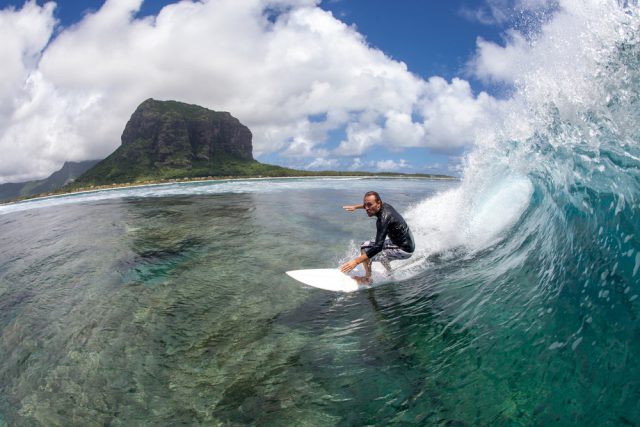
(462, 218)
(159, 190)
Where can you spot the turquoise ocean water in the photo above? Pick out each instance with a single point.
(169, 304)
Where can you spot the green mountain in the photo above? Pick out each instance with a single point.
(169, 140)
(68, 172)
(165, 140)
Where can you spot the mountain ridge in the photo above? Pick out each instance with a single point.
(63, 176)
(171, 139)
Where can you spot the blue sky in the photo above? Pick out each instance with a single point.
(389, 119)
(431, 37)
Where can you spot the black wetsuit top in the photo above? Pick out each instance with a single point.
(390, 223)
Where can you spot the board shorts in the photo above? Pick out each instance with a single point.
(389, 252)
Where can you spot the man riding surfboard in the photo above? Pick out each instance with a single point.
(393, 237)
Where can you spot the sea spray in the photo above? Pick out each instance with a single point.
(570, 126)
(543, 234)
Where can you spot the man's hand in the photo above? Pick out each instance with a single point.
(351, 208)
(348, 266)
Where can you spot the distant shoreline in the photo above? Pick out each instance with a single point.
(151, 183)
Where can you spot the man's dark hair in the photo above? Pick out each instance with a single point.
(373, 193)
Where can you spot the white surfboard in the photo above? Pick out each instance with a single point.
(330, 279)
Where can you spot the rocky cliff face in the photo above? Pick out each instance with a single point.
(170, 139)
(176, 134)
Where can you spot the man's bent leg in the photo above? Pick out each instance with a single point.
(366, 279)
(367, 267)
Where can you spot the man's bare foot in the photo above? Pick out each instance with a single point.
(362, 280)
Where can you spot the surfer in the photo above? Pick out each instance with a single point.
(393, 237)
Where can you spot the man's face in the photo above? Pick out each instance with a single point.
(371, 206)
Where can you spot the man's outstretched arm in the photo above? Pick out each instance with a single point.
(351, 208)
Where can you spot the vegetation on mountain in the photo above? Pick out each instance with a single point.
(170, 139)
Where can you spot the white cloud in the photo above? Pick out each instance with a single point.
(392, 165)
(363, 133)
(496, 12)
(453, 116)
(68, 96)
(493, 12)
(356, 164)
(323, 163)
(444, 116)
(24, 34)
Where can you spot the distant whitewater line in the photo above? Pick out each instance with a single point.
(68, 191)
(196, 187)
